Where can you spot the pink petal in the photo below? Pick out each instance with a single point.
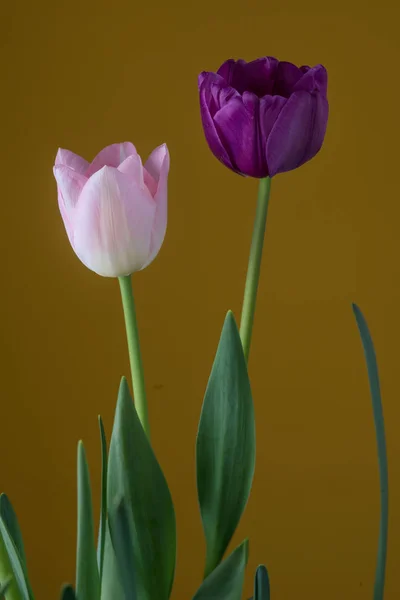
(155, 161)
(160, 219)
(112, 224)
(150, 182)
(132, 166)
(111, 156)
(69, 184)
(71, 160)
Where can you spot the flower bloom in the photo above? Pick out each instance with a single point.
(264, 117)
(114, 209)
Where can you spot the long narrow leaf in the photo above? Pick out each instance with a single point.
(225, 448)
(87, 575)
(261, 584)
(9, 517)
(121, 527)
(20, 575)
(373, 376)
(226, 581)
(103, 508)
(135, 474)
(111, 586)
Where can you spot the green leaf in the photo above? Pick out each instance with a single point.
(17, 566)
(261, 584)
(226, 581)
(111, 587)
(225, 445)
(9, 517)
(373, 376)
(121, 526)
(67, 593)
(103, 508)
(87, 575)
(134, 474)
(4, 585)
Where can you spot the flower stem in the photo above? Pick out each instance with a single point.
(135, 357)
(253, 269)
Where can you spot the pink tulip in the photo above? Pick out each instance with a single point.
(114, 209)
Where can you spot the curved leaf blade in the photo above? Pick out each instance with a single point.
(261, 584)
(111, 586)
(225, 448)
(373, 377)
(121, 528)
(134, 474)
(9, 517)
(226, 581)
(103, 507)
(17, 567)
(87, 575)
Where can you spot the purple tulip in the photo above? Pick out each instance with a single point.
(264, 117)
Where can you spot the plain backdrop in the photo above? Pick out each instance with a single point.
(85, 74)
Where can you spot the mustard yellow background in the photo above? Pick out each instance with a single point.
(83, 74)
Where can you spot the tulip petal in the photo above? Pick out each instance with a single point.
(244, 124)
(313, 80)
(111, 156)
(161, 200)
(113, 223)
(132, 166)
(210, 131)
(71, 160)
(286, 77)
(298, 132)
(256, 76)
(156, 160)
(69, 184)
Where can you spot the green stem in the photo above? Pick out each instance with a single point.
(135, 357)
(374, 385)
(253, 269)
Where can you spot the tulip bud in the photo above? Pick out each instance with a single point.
(264, 117)
(114, 209)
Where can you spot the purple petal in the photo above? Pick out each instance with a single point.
(256, 76)
(210, 131)
(238, 126)
(313, 80)
(286, 77)
(298, 132)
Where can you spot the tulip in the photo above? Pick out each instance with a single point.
(264, 117)
(114, 209)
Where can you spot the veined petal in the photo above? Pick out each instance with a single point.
(313, 80)
(238, 126)
(71, 160)
(113, 223)
(160, 219)
(70, 183)
(298, 132)
(111, 156)
(150, 182)
(210, 131)
(156, 160)
(132, 166)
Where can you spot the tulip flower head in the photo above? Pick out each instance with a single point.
(114, 209)
(264, 117)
